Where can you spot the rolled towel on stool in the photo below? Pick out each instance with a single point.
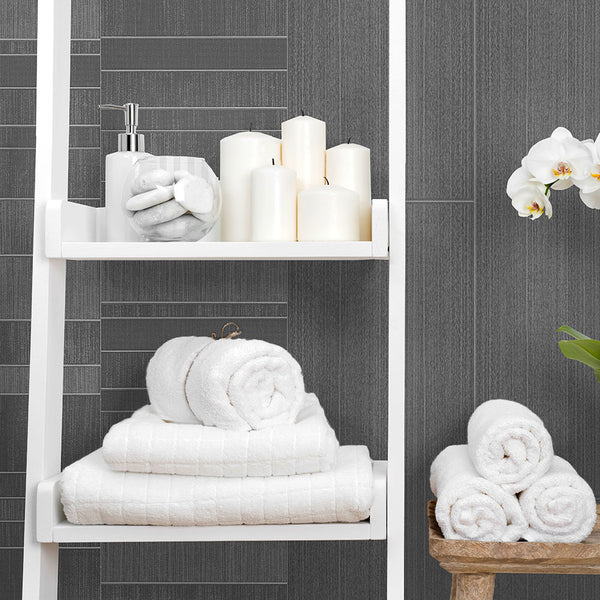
(509, 444)
(559, 507)
(470, 507)
(228, 383)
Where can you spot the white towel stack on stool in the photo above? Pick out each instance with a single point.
(230, 438)
(510, 452)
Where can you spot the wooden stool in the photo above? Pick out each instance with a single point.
(474, 564)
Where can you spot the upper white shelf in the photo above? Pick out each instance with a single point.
(74, 231)
(52, 525)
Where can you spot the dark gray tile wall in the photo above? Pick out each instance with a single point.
(200, 70)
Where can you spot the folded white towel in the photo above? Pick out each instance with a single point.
(509, 444)
(92, 493)
(560, 506)
(470, 507)
(228, 383)
(145, 443)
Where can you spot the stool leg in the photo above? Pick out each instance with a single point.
(471, 586)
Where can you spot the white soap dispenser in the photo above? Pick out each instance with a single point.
(118, 165)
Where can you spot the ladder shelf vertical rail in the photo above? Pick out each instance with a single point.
(40, 561)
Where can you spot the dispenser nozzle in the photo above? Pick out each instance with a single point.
(130, 140)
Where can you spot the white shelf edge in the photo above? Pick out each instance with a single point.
(73, 232)
(52, 527)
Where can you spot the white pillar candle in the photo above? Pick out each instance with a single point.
(349, 165)
(241, 153)
(273, 204)
(303, 149)
(328, 212)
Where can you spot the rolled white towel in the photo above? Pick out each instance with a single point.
(559, 507)
(509, 444)
(468, 506)
(228, 383)
(307, 446)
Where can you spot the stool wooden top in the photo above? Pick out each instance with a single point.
(464, 556)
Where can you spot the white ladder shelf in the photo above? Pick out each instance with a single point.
(64, 231)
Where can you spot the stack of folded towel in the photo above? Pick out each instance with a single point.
(506, 484)
(230, 437)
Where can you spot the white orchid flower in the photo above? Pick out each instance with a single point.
(560, 160)
(589, 188)
(528, 194)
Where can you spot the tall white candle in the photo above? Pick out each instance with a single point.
(328, 212)
(303, 149)
(273, 204)
(349, 165)
(241, 153)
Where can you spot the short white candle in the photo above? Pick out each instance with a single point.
(328, 212)
(241, 153)
(303, 149)
(273, 204)
(349, 165)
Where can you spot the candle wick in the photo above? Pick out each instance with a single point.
(250, 128)
(273, 161)
(302, 111)
(326, 180)
(349, 140)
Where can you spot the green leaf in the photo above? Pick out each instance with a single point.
(573, 332)
(585, 351)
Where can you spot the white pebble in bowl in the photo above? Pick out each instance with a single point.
(186, 227)
(155, 215)
(151, 198)
(147, 181)
(195, 194)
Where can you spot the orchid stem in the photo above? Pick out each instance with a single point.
(548, 186)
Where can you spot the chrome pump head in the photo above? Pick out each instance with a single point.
(131, 140)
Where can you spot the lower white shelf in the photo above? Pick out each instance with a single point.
(52, 527)
(76, 232)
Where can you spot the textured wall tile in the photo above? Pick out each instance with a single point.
(208, 88)
(14, 380)
(82, 342)
(12, 485)
(187, 562)
(193, 53)
(85, 46)
(15, 299)
(17, 71)
(12, 509)
(314, 570)
(439, 101)
(205, 119)
(17, 136)
(16, 227)
(439, 363)
(363, 325)
(79, 574)
(11, 573)
(83, 290)
(85, 71)
(314, 76)
(11, 534)
(16, 46)
(20, 165)
(13, 441)
(256, 281)
(194, 592)
(15, 350)
(85, 19)
(149, 334)
(124, 369)
(81, 427)
(189, 17)
(123, 400)
(84, 173)
(81, 379)
(18, 19)
(194, 309)
(17, 107)
(363, 570)
(364, 83)
(84, 137)
(84, 107)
